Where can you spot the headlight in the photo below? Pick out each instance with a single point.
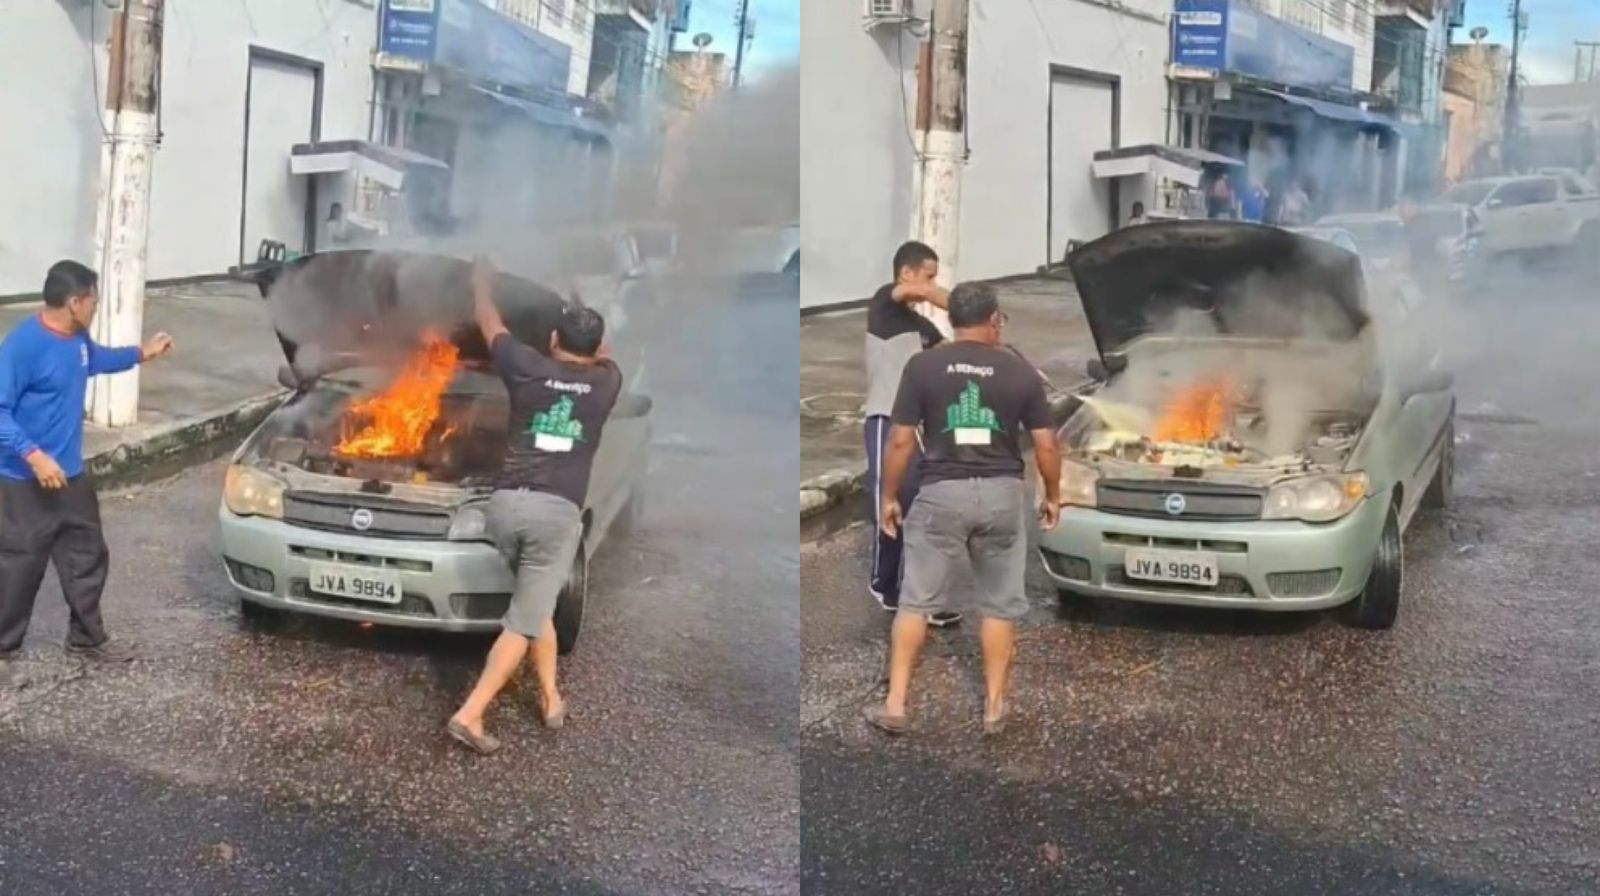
(1315, 499)
(469, 524)
(249, 492)
(1078, 484)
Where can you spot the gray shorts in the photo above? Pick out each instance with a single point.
(978, 521)
(538, 533)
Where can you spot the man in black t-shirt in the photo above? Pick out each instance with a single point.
(972, 399)
(896, 332)
(559, 406)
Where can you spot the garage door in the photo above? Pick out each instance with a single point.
(279, 108)
(1082, 122)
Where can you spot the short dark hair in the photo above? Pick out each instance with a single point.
(1138, 207)
(66, 279)
(913, 254)
(580, 331)
(972, 304)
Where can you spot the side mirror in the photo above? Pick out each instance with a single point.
(1097, 371)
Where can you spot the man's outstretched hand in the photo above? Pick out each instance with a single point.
(159, 344)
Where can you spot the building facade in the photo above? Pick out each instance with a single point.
(266, 109)
(1048, 86)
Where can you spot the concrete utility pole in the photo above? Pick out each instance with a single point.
(1508, 147)
(1582, 73)
(123, 228)
(936, 219)
(742, 21)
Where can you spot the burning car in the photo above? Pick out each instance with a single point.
(362, 497)
(1254, 440)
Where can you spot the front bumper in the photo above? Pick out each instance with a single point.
(448, 586)
(1263, 565)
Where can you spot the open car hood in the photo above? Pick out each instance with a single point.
(1221, 278)
(363, 301)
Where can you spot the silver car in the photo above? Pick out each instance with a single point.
(400, 540)
(1262, 431)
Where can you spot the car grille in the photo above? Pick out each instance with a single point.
(334, 514)
(1201, 501)
(1315, 583)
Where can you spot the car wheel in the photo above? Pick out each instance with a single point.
(569, 604)
(1442, 488)
(1379, 603)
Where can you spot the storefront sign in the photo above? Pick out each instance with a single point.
(1229, 36)
(408, 29)
(487, 46)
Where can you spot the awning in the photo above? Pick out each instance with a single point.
(542, 113)
(385, 164)
(1171, 162)
(1337, 111)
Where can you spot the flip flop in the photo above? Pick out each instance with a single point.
(993, 725)
(893, 726)
(483, 744)
(556, 719)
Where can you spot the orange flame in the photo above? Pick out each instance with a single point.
(397, 420)
(1197, 414)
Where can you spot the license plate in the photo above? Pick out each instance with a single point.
(355, 583)
(1171, 567)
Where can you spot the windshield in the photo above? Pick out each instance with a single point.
(1471, 192)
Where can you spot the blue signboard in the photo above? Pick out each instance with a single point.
(1229, 36)
(483, 44)
(408, 29)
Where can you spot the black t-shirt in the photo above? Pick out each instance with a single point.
(895, 332)
(557, 414)
(973, 402)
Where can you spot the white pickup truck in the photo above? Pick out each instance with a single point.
(1533, 213)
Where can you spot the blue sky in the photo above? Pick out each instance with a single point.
(777, 38)
(1547, 51)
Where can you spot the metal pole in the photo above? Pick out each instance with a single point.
(124, 204)
(937, 218)
(1508, 151)
(743, 21)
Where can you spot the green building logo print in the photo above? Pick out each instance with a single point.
(969, 419)
(555, 430)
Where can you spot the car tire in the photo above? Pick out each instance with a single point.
(1379, 602)
(1442, 489)
(569, 604)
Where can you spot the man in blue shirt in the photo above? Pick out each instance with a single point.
(48, 508)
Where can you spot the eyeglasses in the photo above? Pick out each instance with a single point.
(1001, 319)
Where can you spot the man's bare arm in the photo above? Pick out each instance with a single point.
(490, 323)
(1047, 456)
(933, 294)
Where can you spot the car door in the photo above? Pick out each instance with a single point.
(1505, 217)
(621, 461)
(1415, 365)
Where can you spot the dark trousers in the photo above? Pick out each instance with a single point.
(38, 526)
(885, 577)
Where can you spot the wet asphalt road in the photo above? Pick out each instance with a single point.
(312, 759)
(1161, 751)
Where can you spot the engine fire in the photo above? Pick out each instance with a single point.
(396, 422)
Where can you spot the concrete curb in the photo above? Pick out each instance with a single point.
(150, 454)
(819, 494)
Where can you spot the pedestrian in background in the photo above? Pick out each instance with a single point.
(1220, 200)
(895, 333)
(1253, 202)
(48, 507)
(972, 400)
(1138, 216)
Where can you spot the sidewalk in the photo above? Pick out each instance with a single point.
(1046, 325)
(220, 380)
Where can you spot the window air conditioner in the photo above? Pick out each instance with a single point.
(885, 12)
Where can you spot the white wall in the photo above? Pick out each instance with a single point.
(47, 201)
(855, 153)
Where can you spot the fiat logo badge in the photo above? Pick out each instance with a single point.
(1175, 504)
(361, 519)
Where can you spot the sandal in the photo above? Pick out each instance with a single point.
(880, 719)
(482, 744)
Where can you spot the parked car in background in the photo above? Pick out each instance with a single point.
(1539, 213)
(1335, 235)
(1250, 442)
(1380, 237)
(335, 508)
(767, 255)
(657, 246)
